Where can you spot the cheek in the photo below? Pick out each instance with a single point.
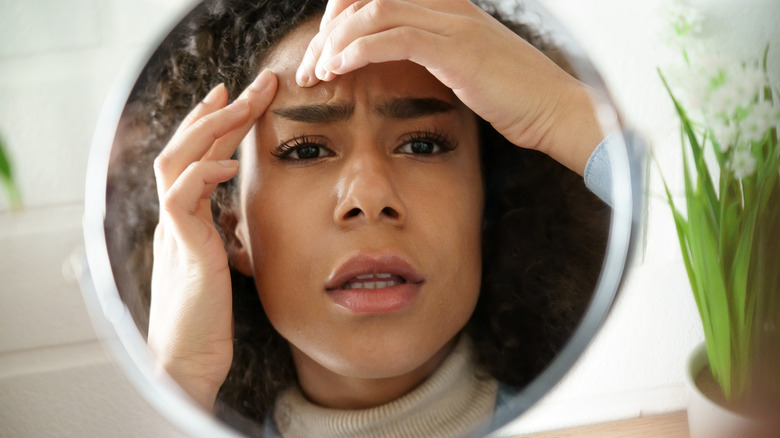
(286, 222)
(449, 213)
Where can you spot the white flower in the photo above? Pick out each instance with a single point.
(685, 20)
(766, 111)
(735, 89)
(724, 134)
(753, 129)
(724, 101)
(681, 25)
(752, 76)
(747, 82)
(743, 163)
(711, 64)
(758, 120)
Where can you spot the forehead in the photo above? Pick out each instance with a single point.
(367, 85)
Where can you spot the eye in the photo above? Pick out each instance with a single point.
(307, 152)
(302, 148)
(421, 147)
(428, 142)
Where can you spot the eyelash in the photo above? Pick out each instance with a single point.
(284, 150)
(439, 138)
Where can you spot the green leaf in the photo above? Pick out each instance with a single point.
(7, 178)
(5, 165)
(704, 178)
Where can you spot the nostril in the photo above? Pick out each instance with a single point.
(390, 212)
(387, 212)
(352, 213)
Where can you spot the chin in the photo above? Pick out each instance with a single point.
(385, 358)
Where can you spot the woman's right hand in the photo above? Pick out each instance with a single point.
(191, 320)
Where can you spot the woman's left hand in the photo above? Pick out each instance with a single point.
(497, 74)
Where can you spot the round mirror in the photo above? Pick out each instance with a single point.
(386, 258)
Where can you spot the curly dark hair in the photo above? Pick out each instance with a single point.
(544, 233)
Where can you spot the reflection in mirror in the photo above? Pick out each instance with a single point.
(393, 256)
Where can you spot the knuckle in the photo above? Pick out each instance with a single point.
(206, 127)
(161, 163)
(171, 200)
(360, 48)
(200, 124)
(169, 203)
(330, 43)
(191, 169)
(352, 9)
(406, 37)
(378, 8)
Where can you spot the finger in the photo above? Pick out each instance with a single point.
(401, 43)
(194, 185)
(378, 17)
(333, 9)
(201, 142)
(260, 94)
(215, 99)
(190, 146)
(305, 74)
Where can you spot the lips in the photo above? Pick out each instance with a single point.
(366, 269)
(371, 283)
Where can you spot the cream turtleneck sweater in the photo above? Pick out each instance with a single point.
(452, 402)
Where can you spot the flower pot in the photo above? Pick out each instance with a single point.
(708, 419)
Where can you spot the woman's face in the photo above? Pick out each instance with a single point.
(360, 215)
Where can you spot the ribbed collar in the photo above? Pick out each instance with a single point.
(453, 402)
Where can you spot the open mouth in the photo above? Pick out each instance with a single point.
(373, 281)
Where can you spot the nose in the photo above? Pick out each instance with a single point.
(368, 192)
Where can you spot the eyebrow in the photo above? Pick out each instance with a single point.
(400, 108)
(317, 113)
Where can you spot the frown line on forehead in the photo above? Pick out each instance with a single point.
(396, 108)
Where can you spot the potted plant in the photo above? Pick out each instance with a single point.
(728, 225)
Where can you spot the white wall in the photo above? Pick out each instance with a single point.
(57, 61)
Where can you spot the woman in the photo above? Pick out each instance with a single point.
(400, 213)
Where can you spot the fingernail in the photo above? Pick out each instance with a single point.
(320, 71)
(228, 163)
(238, 105)
(261, 81)
(211, 97)
(301, 77)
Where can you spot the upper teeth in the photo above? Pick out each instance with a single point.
(366, 276)
(389, 281)
(371, 284)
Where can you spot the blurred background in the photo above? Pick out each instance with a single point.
(58, 60)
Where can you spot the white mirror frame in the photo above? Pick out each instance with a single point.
(118, 331)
